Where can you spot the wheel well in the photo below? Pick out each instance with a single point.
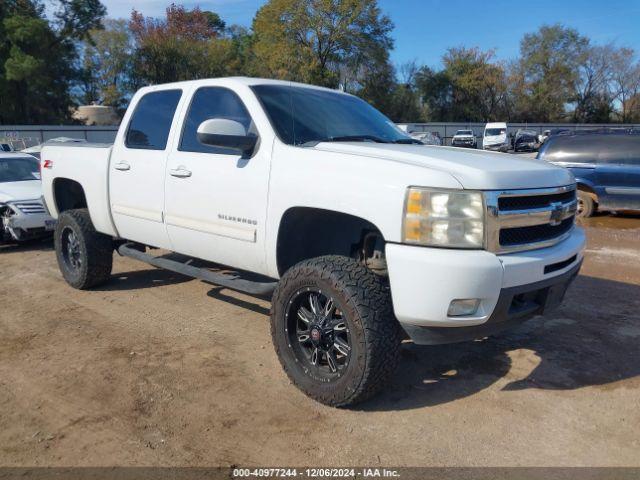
(68, 194)
(312, 232)
(587, 189)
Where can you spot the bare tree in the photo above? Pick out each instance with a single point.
(594, 98)
(407, 72)
(625, 79)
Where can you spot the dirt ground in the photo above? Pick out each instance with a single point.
(157, 369)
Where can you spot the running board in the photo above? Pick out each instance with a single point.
(234, 282)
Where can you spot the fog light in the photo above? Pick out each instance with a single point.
(463, 307)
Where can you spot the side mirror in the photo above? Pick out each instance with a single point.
(224, 133)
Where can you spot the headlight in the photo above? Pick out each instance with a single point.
(443, 218)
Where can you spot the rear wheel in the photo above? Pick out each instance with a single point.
(334, 331)
(586, 205)
(85, 257)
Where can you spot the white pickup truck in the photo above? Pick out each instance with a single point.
(361, 236)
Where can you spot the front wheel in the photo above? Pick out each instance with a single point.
(85, 257)
(333, 329)
(586, 205)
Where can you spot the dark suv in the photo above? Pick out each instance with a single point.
(606, 167)
(525, 141)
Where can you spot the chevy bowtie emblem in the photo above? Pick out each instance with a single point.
(557, 214)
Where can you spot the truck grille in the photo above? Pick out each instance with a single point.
(535, 201)
(520, 220)
(31, 206)
(536, 233)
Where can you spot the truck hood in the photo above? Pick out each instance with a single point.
(14, 191)
(474, 170)
(463, 136)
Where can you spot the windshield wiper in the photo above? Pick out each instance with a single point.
(358, 138)
(346, 138)
(408, 141)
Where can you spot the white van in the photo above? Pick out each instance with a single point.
(495, 137)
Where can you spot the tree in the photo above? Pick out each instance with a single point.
(594, 100)
(38, 57)
(325, 42)
(399, 101)
(625, 79)
(436, 91)
(470, 87)
(107, 64)
(631, 107)
(477, 85)
(186, 45)
(549, 64)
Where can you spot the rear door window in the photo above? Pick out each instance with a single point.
(151, 120)
(620, 150)
(572, 149)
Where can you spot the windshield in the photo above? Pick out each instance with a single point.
(19, 169)
(490, 132)
(307, 115)
(464, 132)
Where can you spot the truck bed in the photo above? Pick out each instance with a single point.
(70, 162)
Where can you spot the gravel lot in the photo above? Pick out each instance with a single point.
(157, 369)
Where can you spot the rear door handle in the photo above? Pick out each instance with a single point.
(122, 166)
(180, 172)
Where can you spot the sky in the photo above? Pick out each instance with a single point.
(424, 29)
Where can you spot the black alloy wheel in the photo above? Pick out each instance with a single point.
(318, 333)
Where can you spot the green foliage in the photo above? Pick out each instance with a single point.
(558, 77)
(400, 101)
(325, 42)
(38, 58)
(107, 64)
(186, 45)
(549, 63)
(75, 18)
(469, 87)
(48, 64)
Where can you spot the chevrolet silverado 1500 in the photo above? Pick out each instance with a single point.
(360, 235)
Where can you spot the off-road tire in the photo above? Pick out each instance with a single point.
(95, 250)
(586, 205)
(376, 334)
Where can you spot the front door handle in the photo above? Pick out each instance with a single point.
(180, 172)
(124, 166)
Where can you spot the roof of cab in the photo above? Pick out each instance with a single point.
(247, 81)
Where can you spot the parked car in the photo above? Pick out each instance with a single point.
(358, 233)
(543, 136)
(495, 137)
(36, 149)
(427, 138)
(464, 138)
(22, 214)
(606, 167)
(525, 141)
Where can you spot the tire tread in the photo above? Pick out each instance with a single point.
(99, 250)
(370, 296)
